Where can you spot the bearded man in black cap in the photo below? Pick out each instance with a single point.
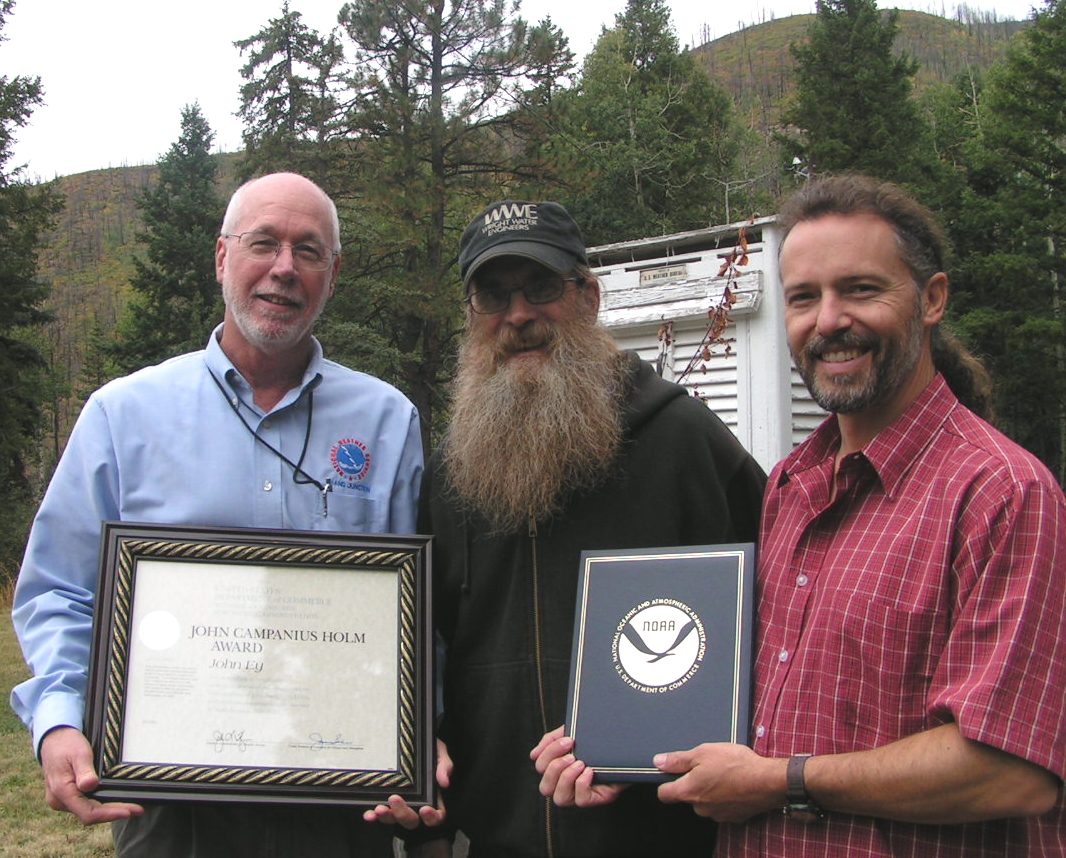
(558, 443)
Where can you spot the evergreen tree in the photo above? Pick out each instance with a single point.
(287, 101)
(439, 93)
(1010, 233)
(655, 139)
(539, 163)
(176, 300)
(853, 108)
(1026, 106)
(26, 213)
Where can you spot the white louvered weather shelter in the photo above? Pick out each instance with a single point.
(674, 280)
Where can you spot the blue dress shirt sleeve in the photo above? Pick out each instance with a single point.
(53, 604)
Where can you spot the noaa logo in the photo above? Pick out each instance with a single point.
(658, 646)
(350, 459)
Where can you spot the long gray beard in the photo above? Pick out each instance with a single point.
(522, 438)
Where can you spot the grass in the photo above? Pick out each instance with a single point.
(28, 827)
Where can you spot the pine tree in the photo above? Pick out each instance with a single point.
(176, 300)
(534, 123)
(853, 108)
(1025, 104)
(26, 213)
(654, 138)
(1010, 234)
(287, 101)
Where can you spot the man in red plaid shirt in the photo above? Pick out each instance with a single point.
(911, 659)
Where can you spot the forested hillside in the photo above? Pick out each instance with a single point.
(88, 262)
(754, 64)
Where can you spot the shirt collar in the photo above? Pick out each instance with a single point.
(221, 367)
(895, 448)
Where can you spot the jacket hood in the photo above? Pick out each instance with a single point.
(649, 394)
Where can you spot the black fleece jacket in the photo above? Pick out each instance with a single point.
(504, 606)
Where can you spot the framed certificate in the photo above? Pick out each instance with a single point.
(262, 666)
(662, 655)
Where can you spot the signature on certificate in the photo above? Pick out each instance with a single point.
(318, 742)
(222, 739)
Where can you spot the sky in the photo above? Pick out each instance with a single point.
(116, 73)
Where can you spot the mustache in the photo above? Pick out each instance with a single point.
(531, 336)
(819, 345)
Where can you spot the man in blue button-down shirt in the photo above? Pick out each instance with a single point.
(257, 430)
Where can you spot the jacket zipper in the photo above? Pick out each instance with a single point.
(537, 660)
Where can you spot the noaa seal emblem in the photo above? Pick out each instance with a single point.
(350, 459)
(658, 646)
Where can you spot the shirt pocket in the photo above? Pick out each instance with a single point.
(354, 514)
(883, 671)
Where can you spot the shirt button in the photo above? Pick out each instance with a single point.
(801, 580)
(267, 424)
(783, 655)
(760, 731)
(267, 486)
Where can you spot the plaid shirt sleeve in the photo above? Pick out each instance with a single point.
(1002, 674)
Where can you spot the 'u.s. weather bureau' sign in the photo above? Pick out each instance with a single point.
(662, 654)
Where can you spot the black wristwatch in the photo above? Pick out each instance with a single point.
(798, 805)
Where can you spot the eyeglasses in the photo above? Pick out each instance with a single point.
(490, 298)
(311, 255)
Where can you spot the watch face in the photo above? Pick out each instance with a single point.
(804, 812)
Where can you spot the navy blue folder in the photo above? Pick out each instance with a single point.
(661, 656)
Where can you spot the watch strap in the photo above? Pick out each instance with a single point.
(796, 785)
(799, 804)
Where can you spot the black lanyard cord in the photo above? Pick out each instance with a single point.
(299, 476)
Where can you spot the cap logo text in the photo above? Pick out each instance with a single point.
(510, 217)
(511, 211)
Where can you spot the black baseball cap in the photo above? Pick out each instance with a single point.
(543, 232)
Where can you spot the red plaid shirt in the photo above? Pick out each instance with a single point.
(931, 590)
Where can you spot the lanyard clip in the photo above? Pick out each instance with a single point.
(326, 489)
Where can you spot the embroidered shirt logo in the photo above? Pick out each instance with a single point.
(351, 460)
(658, 646)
